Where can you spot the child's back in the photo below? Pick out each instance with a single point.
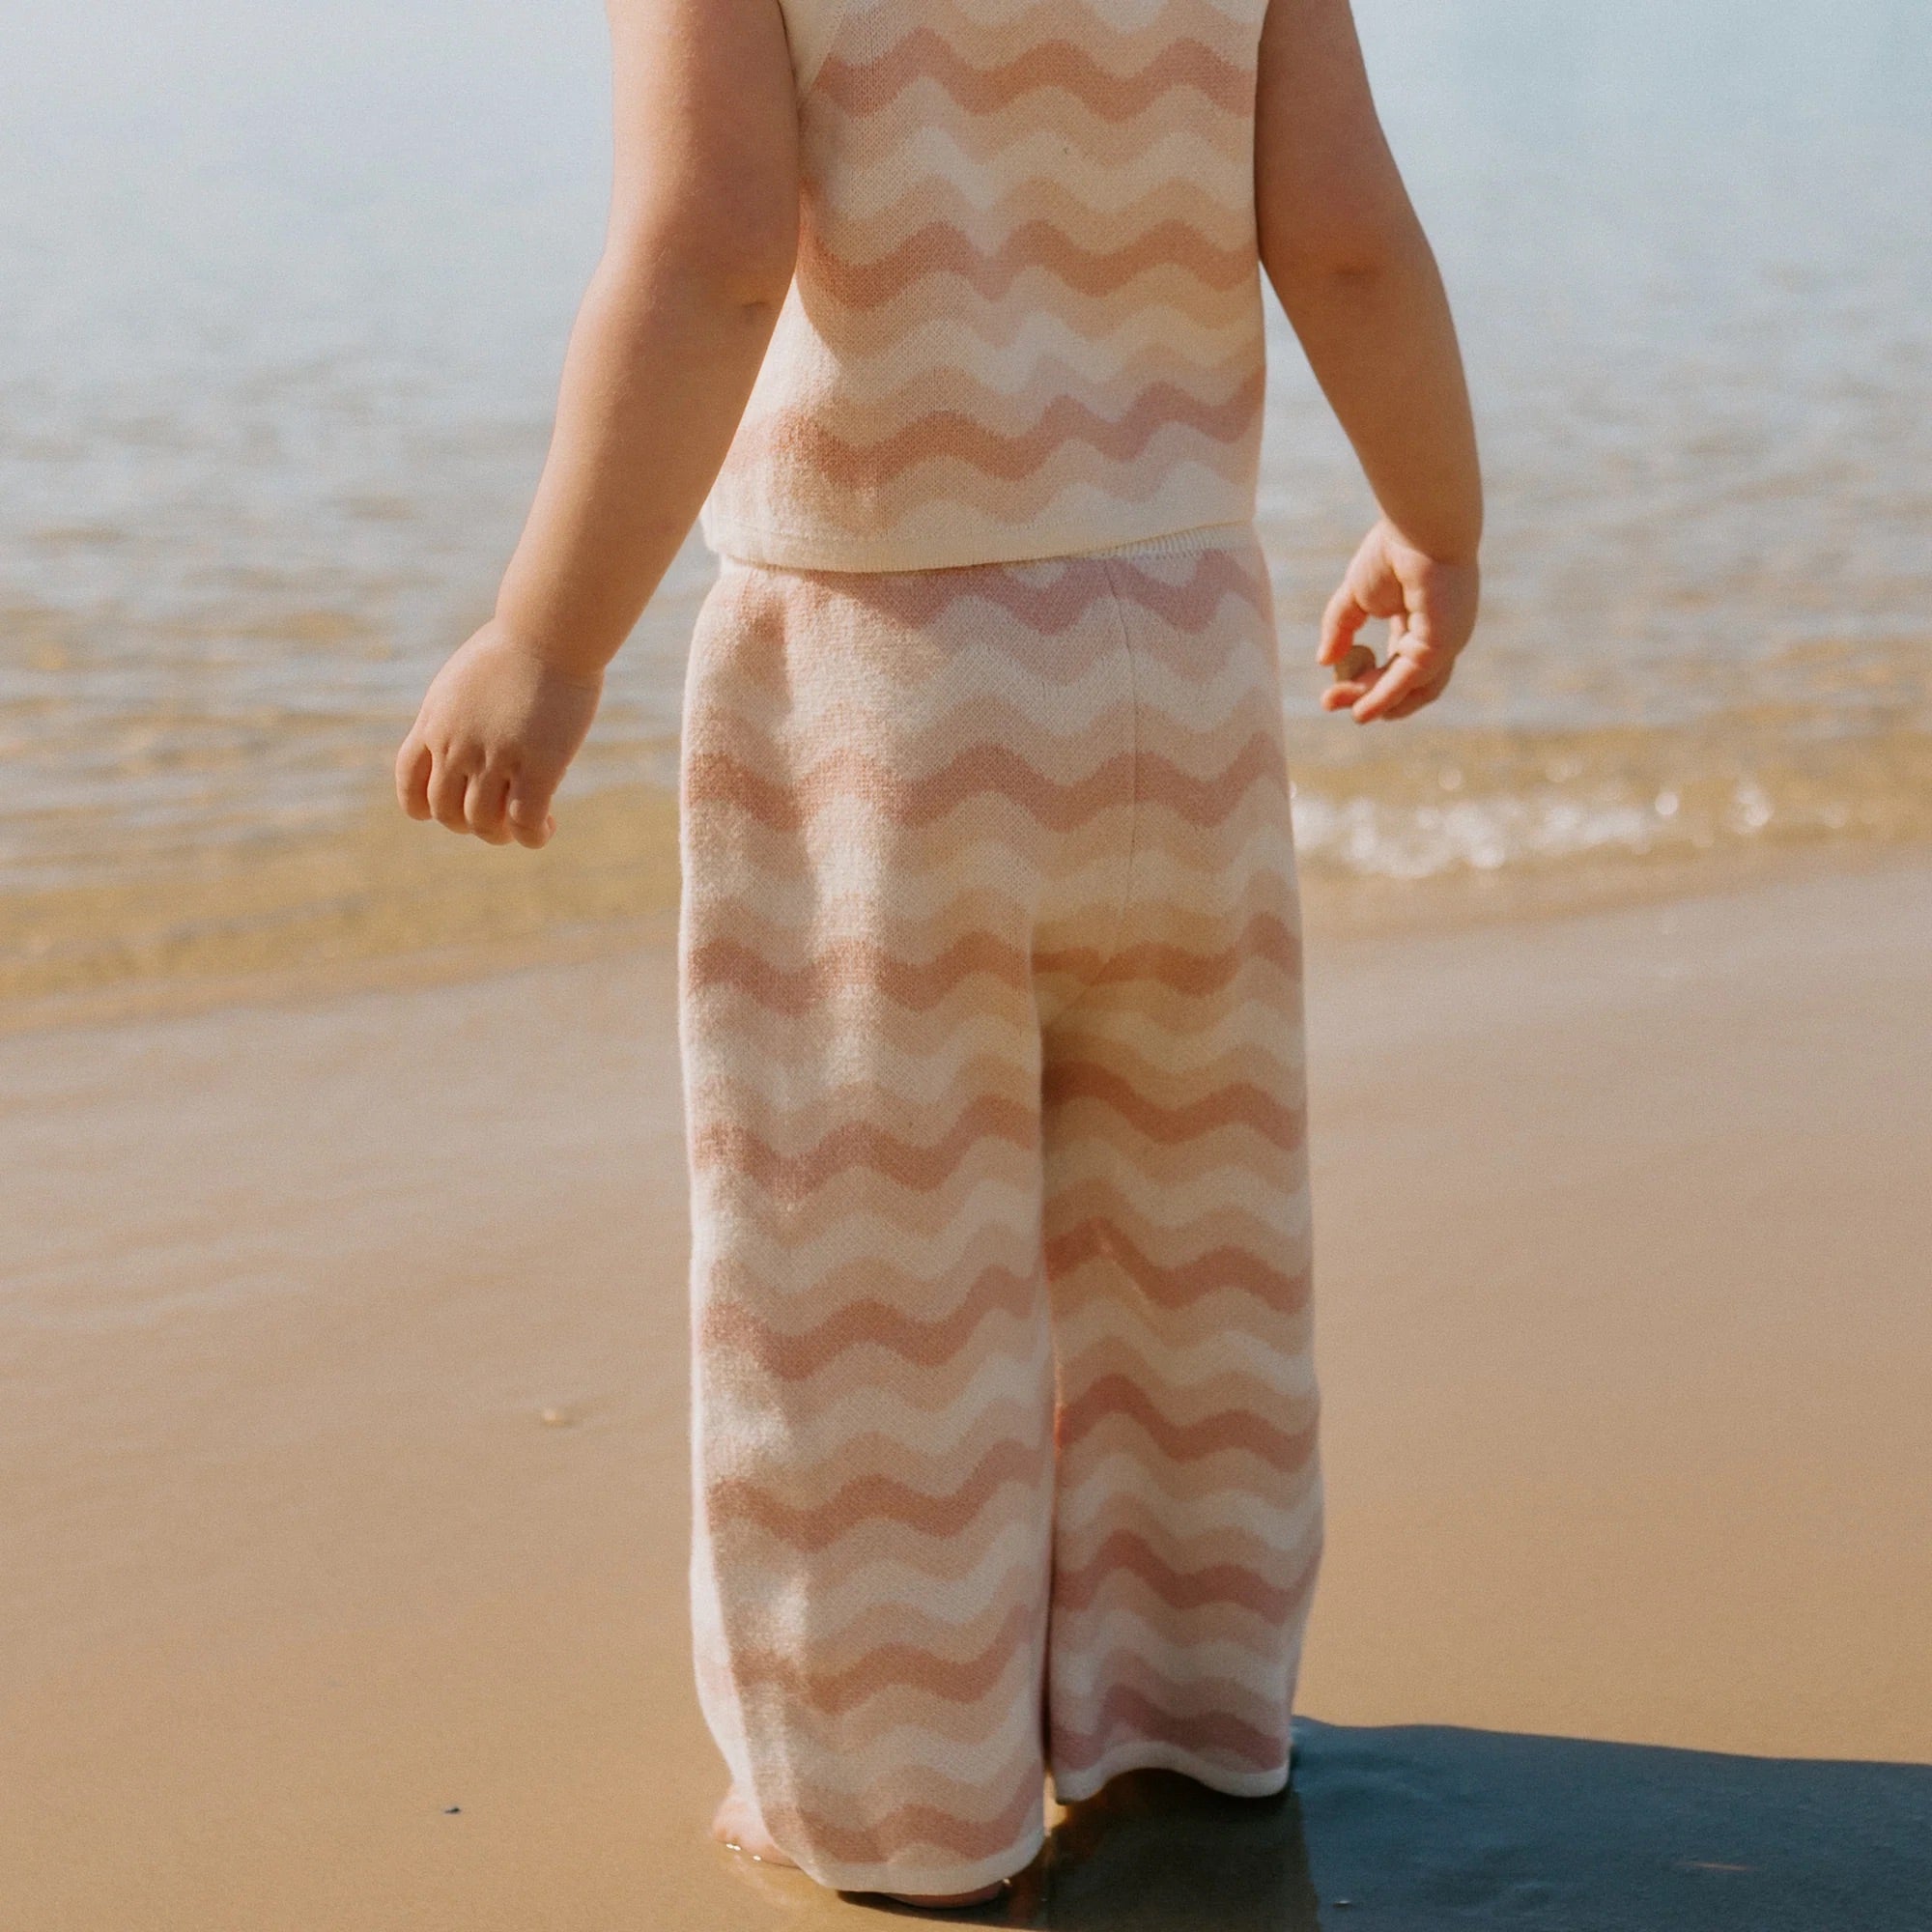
(1027, 316)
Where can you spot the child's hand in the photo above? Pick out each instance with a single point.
(497, 731)
(1432, 611)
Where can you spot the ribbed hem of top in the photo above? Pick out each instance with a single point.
(865, 556)
(1176, 543)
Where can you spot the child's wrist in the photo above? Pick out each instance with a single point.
(564, 661)
(1453, 549)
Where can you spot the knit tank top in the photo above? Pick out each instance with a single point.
(1026, 318)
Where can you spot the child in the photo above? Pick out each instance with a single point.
(990, 966)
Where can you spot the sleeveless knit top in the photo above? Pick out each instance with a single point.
(1026, 319)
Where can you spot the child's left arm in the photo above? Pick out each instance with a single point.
(1357, 279)
(696, 261)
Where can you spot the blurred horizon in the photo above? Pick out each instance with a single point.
(283, 292)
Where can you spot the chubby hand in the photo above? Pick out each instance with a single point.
(497, 730)
(1431, 608)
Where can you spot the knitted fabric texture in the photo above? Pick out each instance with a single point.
(1003, 1412)
(1026, 319)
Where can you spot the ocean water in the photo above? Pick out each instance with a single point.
(283, 295)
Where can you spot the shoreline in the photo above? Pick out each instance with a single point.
(413, 906)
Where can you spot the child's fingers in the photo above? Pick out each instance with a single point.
(1428, 693)
(485, 805)
(448, 787)
(413, 768)
(1409, 668)
(1341, 623)
(528, 813)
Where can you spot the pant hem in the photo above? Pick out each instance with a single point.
(1076, 1785)
(930, 1880)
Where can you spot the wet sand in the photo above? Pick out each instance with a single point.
(344, 1453)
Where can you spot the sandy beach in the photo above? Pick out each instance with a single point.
(344, 1334)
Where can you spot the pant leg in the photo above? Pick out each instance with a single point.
(887, 784)
(1177, 1234)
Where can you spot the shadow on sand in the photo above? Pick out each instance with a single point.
(1402, 1830)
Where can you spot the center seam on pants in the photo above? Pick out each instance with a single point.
(1134, 768)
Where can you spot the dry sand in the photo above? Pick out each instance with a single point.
(342, 1343)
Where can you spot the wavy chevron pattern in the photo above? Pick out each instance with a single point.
(1026, 319)
(990, 1002)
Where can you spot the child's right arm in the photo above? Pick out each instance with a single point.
(698, 256)
(1356, 274)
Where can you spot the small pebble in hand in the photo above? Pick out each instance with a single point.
(1360, 667)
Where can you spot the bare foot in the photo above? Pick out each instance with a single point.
(737, 1825)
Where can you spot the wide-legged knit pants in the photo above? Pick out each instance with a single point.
(990, 1011)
